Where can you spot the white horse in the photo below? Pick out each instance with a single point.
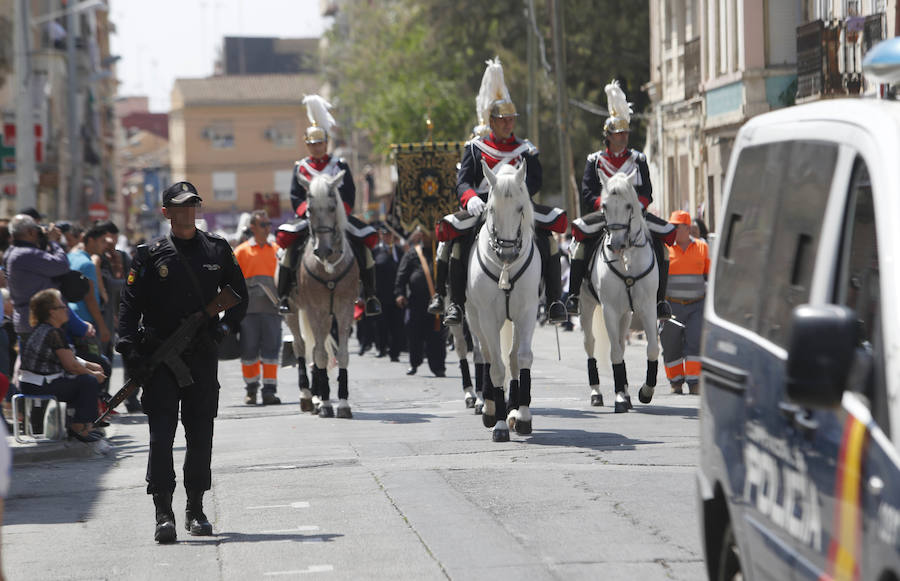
(624, 275)
(328, 281)
(504, 274)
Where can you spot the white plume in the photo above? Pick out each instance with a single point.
(493, 87)
(317, 112)
(617, 103)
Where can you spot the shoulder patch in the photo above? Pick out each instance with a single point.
(639, 155)
(593, 157)
(532, 148)
(132, 274)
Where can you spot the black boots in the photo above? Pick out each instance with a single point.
(436, 306)
(165, 518)
(556, 311)
(454, 314)
(663, 309)
(577, 271)
(285, 284)
(250, 398)
(194, 520)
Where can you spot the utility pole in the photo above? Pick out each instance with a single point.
(532, 106)
(566, 175)
(75, 204)
(26, 195)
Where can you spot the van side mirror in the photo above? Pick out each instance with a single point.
(821, 351)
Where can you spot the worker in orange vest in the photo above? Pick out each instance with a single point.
(686, 291)
(260, 337)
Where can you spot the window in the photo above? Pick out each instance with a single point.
(282, 134)
(224, 186)
(858, 288)
(770, 234)
(282, 181)
(220, 135)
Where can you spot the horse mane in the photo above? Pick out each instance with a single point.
(508, 189)
(620, 185)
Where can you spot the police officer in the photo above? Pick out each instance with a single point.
(362, 237)
(497, 146)
(171, 278)
(616, 158)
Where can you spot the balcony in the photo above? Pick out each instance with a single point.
(691, 68)
(829, 55)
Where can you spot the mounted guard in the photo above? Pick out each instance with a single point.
(497, 146)
(293, 236)
(588, 230)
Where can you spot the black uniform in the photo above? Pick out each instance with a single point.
(389, 332)
(421, 335)
(159, 294)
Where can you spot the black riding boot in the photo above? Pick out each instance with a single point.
(663, 309)
(367, 277)
(165, 518)
(285, 284)
(194, 520)
(436, 306)
(577, 270)
(556, 310)
(454, 314)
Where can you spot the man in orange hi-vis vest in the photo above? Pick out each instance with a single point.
(260, 337)
(688, 272)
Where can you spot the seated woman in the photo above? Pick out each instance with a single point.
(49, 366)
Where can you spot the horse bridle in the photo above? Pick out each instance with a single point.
(632, 242)
(498, 244)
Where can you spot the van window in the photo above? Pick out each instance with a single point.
(858, 288)
(770, 233)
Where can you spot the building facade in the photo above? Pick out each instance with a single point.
(236, 138)
(717, 63)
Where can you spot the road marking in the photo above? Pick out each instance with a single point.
(300, 529)
(301, 504)
(310, 569)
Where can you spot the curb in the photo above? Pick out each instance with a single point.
(44, 452)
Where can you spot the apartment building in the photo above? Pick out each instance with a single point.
(236, 138)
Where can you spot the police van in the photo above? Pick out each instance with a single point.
(799, 473)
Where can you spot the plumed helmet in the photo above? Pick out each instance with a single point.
(320, 119)
(619, 110)
(493, 98)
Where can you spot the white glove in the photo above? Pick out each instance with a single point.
(475, 206)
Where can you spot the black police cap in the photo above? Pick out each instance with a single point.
(181, 194)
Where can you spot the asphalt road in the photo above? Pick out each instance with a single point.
(411, 488)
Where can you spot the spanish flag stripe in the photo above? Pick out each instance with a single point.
(845, 547)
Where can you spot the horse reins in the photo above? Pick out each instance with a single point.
(628, 280)
(512, 281)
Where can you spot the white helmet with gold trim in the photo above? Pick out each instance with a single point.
(320, 118)
(493, 98)
(619, 110)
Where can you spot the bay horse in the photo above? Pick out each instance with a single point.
(623, 280)
(504, 277)
(328, 285)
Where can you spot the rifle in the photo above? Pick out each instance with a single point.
(169, 353)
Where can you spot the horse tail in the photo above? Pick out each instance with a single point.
(601, 338)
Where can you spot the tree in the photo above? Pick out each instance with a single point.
(394, 61)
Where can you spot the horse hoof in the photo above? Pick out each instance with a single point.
(523, 428)
(306, 405)
(470, 402)
(628, 402)
(326, 411)
(479, 408)
(596, 400)
(621, 407)
(646, 394)
(344, 413)
(488, 421)
(499, 435)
